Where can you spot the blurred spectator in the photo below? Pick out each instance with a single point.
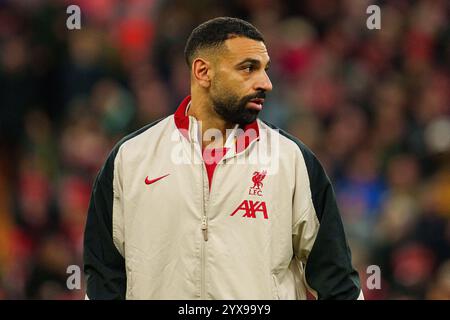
(439, 289)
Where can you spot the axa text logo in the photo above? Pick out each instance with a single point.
(251, 208)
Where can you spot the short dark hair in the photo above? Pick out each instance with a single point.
(214, 32)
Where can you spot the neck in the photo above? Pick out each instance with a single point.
(202, 109)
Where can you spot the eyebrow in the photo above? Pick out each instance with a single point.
(252, 61)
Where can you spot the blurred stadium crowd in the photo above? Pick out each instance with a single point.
(373, 105)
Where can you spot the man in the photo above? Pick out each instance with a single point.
(179, 210)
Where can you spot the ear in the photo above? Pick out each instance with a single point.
(201, 70)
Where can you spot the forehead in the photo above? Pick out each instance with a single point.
(241, 48)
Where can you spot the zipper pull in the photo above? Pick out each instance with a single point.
(205, 228)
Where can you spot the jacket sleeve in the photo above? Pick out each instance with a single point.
(319, 239)
(104, 266)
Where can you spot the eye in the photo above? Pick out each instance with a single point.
(248, 69)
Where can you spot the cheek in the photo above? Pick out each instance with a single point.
(223, 86)
(230, 84)
(243, 85)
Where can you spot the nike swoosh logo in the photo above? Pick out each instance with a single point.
(147, 181)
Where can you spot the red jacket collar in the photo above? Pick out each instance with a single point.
(251, 130)
(181, 119)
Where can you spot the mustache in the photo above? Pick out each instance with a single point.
(258, 95)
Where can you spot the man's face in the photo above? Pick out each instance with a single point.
(240, 80)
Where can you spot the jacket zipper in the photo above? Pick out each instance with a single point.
(204, 229)
(203, 226)
(205, 238)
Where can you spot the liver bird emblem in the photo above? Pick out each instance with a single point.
(258, 178)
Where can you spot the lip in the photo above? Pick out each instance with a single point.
(258, 100)
(256, 104)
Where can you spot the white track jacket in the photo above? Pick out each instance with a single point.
(262, 223)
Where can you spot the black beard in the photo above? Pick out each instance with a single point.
(232, 109)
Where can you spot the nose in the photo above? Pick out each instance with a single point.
(263, 82)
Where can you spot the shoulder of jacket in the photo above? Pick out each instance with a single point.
(138, 133)
(308, 155)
